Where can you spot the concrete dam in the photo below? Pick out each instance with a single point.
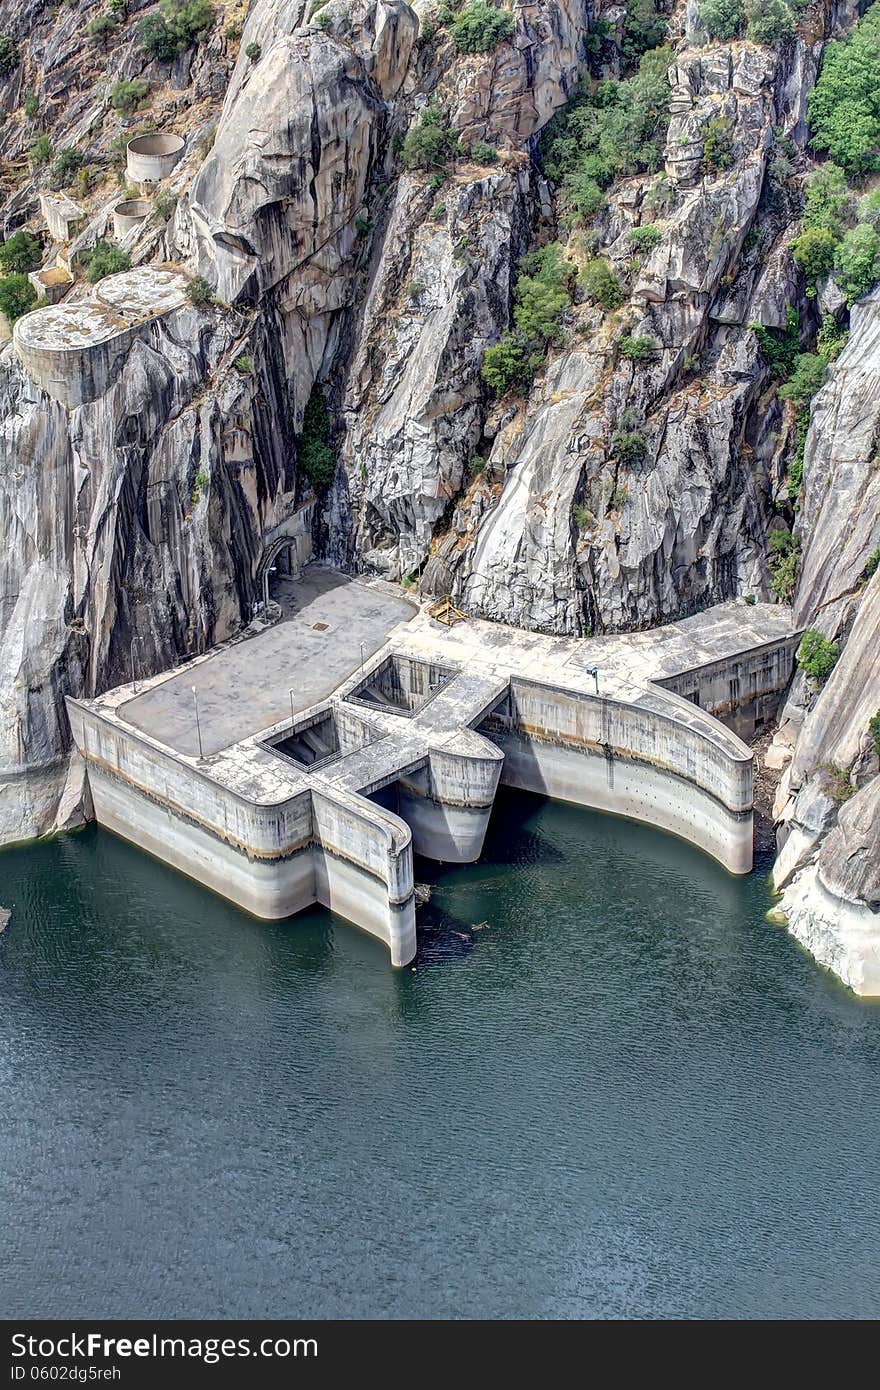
(310, 762)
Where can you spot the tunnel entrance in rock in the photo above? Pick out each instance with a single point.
(280, 565)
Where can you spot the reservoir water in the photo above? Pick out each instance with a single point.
(609, 1088)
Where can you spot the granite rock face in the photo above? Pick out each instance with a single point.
(135, 526)
(413, 405)
(829, 867)
(579, 541)
(133, 531)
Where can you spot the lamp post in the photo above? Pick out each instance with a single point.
(594, 672)
(292, 717)
(131, 655)
(198, 723)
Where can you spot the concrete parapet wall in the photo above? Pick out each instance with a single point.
(631, 760)
(270, 859)
(358, 847)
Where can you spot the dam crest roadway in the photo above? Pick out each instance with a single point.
(308, 763)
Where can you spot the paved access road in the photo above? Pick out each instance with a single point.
(246, 687)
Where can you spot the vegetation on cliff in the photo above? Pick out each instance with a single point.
(543, 293)
(314, 450)
(610, 129)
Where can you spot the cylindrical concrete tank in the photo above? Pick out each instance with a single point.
(129, 214)
(150, 158)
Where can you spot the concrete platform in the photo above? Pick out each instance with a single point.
(332, 623)
(73, 350)
(402, 751)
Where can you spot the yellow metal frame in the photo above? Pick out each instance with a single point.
(445, 612)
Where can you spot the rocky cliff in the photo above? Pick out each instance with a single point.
(359, 187)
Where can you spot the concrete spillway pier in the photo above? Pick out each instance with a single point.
(403, 749)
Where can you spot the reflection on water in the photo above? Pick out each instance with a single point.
(608, 1088)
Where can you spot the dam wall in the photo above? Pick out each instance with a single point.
(632, 759)
(403, 752)
(273, 859)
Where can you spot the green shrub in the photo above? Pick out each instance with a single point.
(253, 52)
(510, 363)
(600, 285)
(178, 26)
(199, 292)
(643, 29)
(543, 293)
(722, 19)
(105, 259)
(39, 150)
(541, 297)
(233, 30)
(769, 21)
(128, 96)
(828, 200)
(874, 730)
(17, 295)
(843, 107)
(839, 784)
(102, 27)
(869, 208)
(200, 482)
(814, 252)
(619, 496)
(64, 166)
(783, 562)
(22, 252)
(245, 365)
(9, 55)
(816, 655)
(872, 564)
(644, 239)
(857, 261)
(164, 204)
(806, 378)
(717, 145)
(609, 129)
(637, 348)
(831, 339)
(362, 226)
(585, 195)
(780, 346)
(480, 27)
(429, 144)
(313, 447)
(31, 105)
(483, 153)
(629, 448)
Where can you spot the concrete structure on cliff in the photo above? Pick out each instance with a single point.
(75, 351)
(402, 751)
